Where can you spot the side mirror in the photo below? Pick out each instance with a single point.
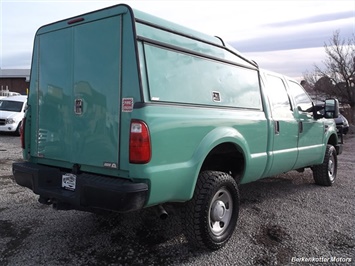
(318, 111)
(331, 108)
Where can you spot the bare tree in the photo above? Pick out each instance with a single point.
(337, 76)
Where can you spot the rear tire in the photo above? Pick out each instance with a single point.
(324, 174)
(211, 216)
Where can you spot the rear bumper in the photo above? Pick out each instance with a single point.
(92, 192)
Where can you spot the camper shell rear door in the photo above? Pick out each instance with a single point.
(78, 113)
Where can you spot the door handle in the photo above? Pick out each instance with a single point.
(277, 127)
(78, 106)
(300, 126)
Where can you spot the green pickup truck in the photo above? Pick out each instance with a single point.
(128, 111)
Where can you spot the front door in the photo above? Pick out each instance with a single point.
(311, 131)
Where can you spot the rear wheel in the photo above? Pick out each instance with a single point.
(211, 216)
(324, 174)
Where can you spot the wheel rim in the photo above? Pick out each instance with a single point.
(331, 168)
(220, 211)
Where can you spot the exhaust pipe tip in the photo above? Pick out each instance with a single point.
(45, 201)
(162, 213)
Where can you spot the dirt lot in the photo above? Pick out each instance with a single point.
(285, 220)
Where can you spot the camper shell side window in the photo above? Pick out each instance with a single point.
(179, 70)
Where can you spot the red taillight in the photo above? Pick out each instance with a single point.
(22, 132)
(139, 143)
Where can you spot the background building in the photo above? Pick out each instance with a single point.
(14, 80)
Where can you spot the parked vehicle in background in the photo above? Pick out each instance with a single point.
(12, 111)
(342, 124)
(147, 112)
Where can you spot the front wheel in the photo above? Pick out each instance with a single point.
(211, 216)
(324, 174)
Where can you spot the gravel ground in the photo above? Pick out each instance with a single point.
(285, 220)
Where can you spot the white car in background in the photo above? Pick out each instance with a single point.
(12, 111)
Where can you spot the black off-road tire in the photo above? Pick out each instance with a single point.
(210, 217)
(324, 174)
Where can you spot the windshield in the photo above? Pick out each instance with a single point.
(11, 106)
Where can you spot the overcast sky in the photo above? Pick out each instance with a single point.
(283, 36)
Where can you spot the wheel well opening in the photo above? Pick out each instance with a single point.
(227, 158)
(332, 140)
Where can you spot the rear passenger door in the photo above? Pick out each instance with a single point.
(284, 136)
